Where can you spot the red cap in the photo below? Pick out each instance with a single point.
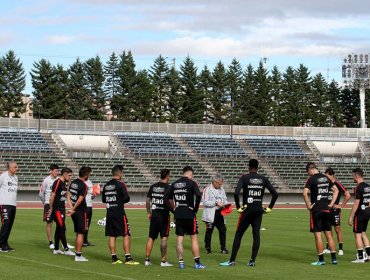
(226, 210)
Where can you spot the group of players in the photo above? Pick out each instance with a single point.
(321, 194)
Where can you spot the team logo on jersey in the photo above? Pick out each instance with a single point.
(158, 189)
(255, 181)
(5, 210)
(109, 187)
(363, 207)
(180, 185)
(322, 180)
(250, 200)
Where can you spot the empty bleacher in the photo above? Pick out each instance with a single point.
(23, 141)
(276, 147)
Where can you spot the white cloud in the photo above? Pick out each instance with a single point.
(60, 39)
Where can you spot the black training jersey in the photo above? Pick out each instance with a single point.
(115, 195)
(253, 186)
(76, 189)
(60, 190)
(341, 190)
(320, 187)
(182, 192)
(156, 196)
(362, 192)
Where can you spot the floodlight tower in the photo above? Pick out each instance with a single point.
(356, 75)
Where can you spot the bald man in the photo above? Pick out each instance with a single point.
(8, 200)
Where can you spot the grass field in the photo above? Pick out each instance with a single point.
(287, 248)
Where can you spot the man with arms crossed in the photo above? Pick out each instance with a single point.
(360, 214)
(180, 198)
(8, 202)
(319, 187)
(336, 210)
(115, 195)
(159, 217)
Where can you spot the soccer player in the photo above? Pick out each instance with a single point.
(58, 211)
(115, 195)
(253, 186)
(76, 199)
(44, 194)
(8, 202)
(180, 198)
(89, 198)
(214, 199)
(159, 217)
(336, 210)
(320, 188)
(360, 214)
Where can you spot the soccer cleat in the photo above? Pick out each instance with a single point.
(69, 253)
(166, 264)
(225, 251)
(131, 262)
(318, 263)
(334, 261)
(117, 261)
(51, 246)
(87, 244)
(250, 263)
(80, 259)
(70, 246)
(199, 266)
(358, 261)
(227, 263)
(11, 249)
(326, 251)
(340, 253)
(147, 263)
(181, 265)
(208, 251)
(58, 252)
(6, 249)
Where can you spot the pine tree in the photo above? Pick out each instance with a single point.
(158, 74)
(263, 98)
(335, 113)
(142, 93)
(276, 114)
(62, 110)
(349, 101)
(319, 102)
(111, 85)
(174, 97)
(290, 104)
(205, 85)
(246, 106)
(192, 109)
(303, 95)
(12, 84)
(218, 106)
(234, 88)
(94, 75)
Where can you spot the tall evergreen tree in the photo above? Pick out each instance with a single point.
(205, 85)
(290, 104)
(12, 84)
(349, 101)
(218, 99)
(112, 78)
(263, 98)
(320, 105)
(94, 75)
(142, 93)
(335, 113)
(234, 87)
(246, 106)
(276, 114)
(174, 97)
(192, 109)
(61, 93)
(303, 94)
(158, 74)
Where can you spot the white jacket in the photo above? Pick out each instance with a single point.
(209, 198)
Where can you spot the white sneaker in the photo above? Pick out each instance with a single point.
(340, 253)
(326, 251)
(58, 252)
(359, 261)
(51, 246)
(69, 253)
(70, 246)
(166, 264)
(80, 259)
(147, 263)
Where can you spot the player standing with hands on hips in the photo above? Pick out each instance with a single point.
(253, 186)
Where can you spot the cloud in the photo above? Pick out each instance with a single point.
(67, 39)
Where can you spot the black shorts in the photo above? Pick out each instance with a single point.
(117, 226)
(186, 226)
(361, 220)
(335, 217)
(47, 217)
(159, 225)
(80, 222)
(320, 221)
(58, 216)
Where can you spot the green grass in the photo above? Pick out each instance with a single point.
(287, 248)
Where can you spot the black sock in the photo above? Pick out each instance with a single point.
(128, 257)
(114, 257)
(146, 259)
(197, 259)
(340, 246)
(321, 257)
(50, 242)
(360, 254)
(367, 250)
(78, 254)
(327, 246)
(333, 256)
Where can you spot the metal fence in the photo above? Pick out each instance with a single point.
(171, 128)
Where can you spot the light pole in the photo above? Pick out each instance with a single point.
(356, 75)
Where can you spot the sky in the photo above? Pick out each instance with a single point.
(317, 33)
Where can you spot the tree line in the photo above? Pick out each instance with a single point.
(226, 94)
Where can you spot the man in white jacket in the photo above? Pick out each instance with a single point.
(214, 199)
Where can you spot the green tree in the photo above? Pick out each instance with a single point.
(94, 75)
(276, 114)
(192, 109)
(263, 98)
(205, 85)
(112, 78)
(12, 84)
(142, 93)
(349, 101)
(320, 105)
(218, 98)
(290, 103)
(303, 94)
(335, 113)
(245, 104)
(174, 97)
(233, 89)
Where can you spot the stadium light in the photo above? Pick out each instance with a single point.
(356, 75)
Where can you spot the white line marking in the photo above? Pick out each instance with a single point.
(67, 268)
